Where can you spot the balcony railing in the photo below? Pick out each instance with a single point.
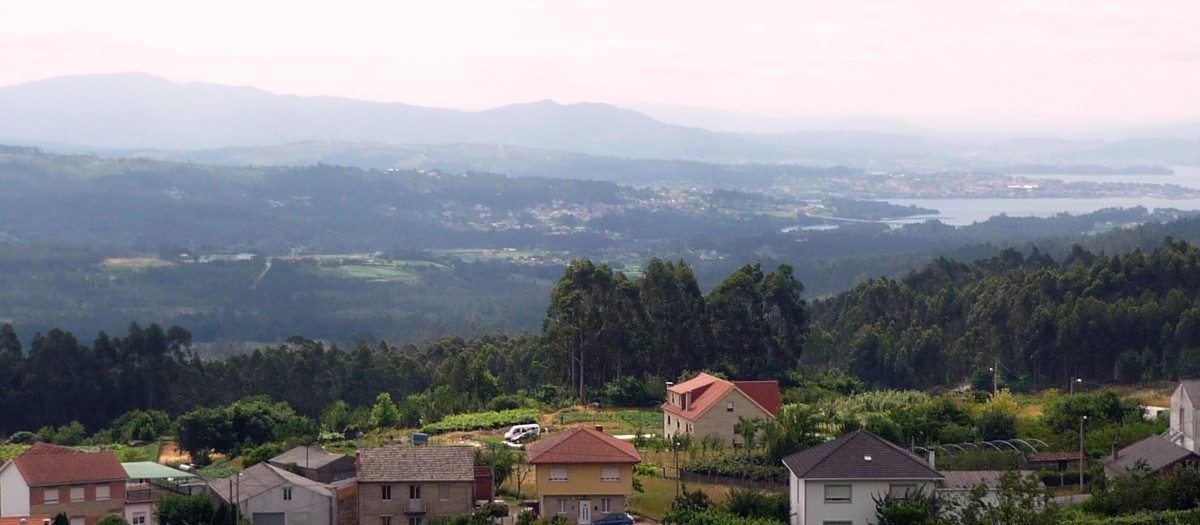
(415, 506)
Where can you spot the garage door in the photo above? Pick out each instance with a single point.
(268, 518)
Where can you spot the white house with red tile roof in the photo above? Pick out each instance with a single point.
(582, 474)
(707, 405)
(49, 479)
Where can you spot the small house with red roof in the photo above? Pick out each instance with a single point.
(49, 479)
(707, 405)
(582, 474)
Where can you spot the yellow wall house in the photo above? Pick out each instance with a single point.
(582, 474)
(707, 405)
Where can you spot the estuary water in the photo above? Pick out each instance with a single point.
(963, 212)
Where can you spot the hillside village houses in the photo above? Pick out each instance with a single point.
(707, 405)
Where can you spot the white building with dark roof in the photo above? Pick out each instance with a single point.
(1184, 402)
(836, 482)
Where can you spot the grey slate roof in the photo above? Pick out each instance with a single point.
(846, 458)
(385, 464)
(307, 457)
(1157, 452)
(260, 478)
(1191, 387)
(969, 479)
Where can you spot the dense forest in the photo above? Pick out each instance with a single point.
(1106, 318)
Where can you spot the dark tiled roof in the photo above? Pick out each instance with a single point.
(307, 457)
(1157, 452)
(1052, 456)
(45, 464)
(847, 458)
(384, 464)
(581, 445)
(969, 479)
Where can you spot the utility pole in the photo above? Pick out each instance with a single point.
(1081, 452)
(995, 375)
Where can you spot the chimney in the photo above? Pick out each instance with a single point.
(933, 459)
(1116, 449)
(687, 400)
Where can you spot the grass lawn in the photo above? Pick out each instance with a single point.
(655, 501)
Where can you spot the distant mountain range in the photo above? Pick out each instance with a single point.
(141, 115)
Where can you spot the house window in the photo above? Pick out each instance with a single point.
(414, 521)
(444, 492)
(610, 474)
(837, 493)
(558, 474)
(901, 491)
(50, 497)
(102, 493)
(386, 495)
(414, 492)
(76, 493)
(385, 520)
(562, 506)
(729, 406)
(139, 519)
(287, 494)
(839, 522)
(605, 504)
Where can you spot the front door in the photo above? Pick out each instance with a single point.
(585, 512)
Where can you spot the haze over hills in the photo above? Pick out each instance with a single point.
(128, 114)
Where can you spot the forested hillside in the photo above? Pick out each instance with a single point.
(1118, 318)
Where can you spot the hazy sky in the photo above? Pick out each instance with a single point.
(1092, 60)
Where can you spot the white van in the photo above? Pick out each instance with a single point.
(519, 433)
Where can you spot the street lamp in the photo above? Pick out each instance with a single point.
(675, 445)
(1082, 419)
(1076, 380)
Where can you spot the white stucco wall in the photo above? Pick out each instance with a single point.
(305, 508)
(796, 497)
(859, 511)
(1183, 418)
(14, 493)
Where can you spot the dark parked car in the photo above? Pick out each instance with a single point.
(615, 519)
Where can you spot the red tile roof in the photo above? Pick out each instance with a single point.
(581, 445)
(707, 390)
(765, 393)
(44, 465)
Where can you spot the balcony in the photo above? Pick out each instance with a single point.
(415, 506)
